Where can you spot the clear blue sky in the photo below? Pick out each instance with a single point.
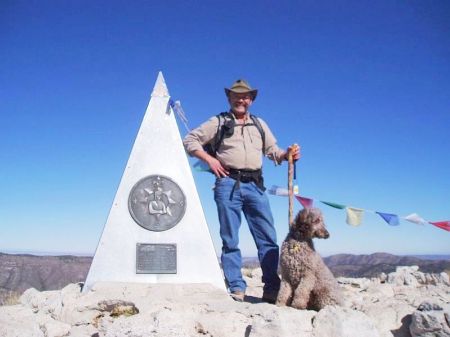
(363, 86)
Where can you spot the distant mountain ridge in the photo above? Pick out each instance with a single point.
(372, 265)
(19, 272)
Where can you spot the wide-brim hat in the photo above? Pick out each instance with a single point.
(242, 87)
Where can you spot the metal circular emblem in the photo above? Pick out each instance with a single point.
(156, 203)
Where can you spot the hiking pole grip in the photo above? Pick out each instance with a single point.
(290, 187)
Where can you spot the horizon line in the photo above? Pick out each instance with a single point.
(85, 254)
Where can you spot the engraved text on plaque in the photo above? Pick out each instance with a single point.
(158, 258)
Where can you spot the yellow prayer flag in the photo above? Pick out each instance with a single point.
(354, 216)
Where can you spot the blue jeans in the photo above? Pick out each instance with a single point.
(253, 202)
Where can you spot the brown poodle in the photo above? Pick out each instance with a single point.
(307, 283)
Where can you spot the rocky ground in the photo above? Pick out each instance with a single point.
(403, 303)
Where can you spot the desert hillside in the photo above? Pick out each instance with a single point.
(348, 265)
(19, 272)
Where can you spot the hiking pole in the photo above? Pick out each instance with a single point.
(290, 186)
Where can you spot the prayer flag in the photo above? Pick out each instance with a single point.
(272, 190)
(391, 219)
(445, 225)
(277, 190)
(332, 204)
(201, 166)
(354, 216)
(306, 202)
(177, 108)
(415, 218)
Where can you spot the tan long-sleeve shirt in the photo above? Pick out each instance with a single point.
(243, 150)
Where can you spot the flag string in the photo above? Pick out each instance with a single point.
(355, 215)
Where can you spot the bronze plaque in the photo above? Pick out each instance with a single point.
(157, 203)
(156, 258)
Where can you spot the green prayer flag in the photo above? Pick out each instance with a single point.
(332, 204)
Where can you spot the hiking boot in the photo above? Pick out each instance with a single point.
(270, 296)
(237, 295)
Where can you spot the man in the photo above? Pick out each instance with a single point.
(236, 161)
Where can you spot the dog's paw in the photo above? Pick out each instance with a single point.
(280, 303)
(301, 305)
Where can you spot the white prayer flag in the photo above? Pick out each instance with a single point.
(415, 218)
(354, 216)
(276, 190)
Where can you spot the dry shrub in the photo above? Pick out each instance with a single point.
(10, 298)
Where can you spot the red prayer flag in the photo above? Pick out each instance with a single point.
(445, 225)
(306, 202)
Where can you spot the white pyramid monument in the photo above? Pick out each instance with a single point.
(156, 231)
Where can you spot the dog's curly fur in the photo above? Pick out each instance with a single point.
(307, 283)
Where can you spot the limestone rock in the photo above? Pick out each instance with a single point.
(269, 321)
(411, 276)
(22, 321)
(360, 283)
(403, 276)
(390, 317)
(32, 298)
(371, 309)
(118, 307)
(343, 322)
(19, 321)
(257, 273)
(431, 320)
(52, 328)
(444, 278)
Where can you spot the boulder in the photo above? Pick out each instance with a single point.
(52, 328)
(23, 321)
(390, 317)
(444, 278)
(404, 276)
(32, 299)
(269, 321)
(343, 322)
(431, 320)
(411, 276)
(19, 321)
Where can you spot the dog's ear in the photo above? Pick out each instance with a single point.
(302, 216)
(298, 219)
(318, 224)
(301, 222)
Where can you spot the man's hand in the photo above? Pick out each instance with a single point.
(295, 150)
(216, 167)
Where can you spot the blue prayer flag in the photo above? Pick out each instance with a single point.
(391, 219)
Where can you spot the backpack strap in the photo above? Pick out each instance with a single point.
(220, 134)
(214, 145)
(261, 131)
